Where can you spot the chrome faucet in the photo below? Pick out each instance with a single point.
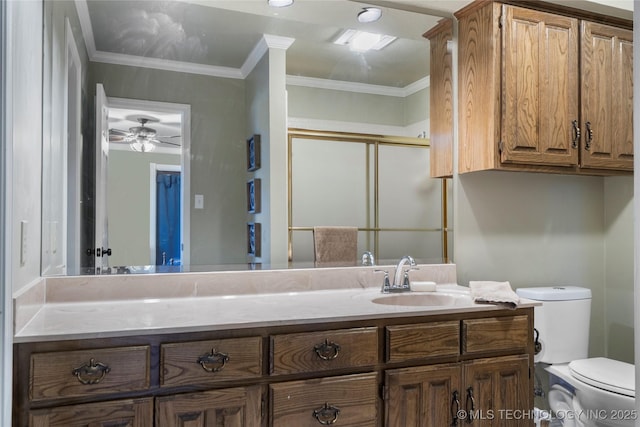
(401, 281)
(368, 259)
(401, 278)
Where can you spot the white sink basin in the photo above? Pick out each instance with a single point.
(430, 299)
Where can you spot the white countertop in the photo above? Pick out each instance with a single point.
(117, 318)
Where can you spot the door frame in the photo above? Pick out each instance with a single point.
(185, 160)
(71, 231)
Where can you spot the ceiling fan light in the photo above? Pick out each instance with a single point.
(280, 3)
(142, 145)
(369, 14)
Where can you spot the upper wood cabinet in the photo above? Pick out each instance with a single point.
(543, 92)
(607, 97)
(441, 99)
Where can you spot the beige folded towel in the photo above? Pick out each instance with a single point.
(335, 246)
(486, 292)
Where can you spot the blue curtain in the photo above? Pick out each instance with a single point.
(168, 238)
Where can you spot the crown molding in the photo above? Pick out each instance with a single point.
(358, 87)
(167, 65)
(267, 42)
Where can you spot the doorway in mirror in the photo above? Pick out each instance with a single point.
(147, 140)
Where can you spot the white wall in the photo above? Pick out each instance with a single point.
(129, 204)
(257, 104)
(26, 139)
(21, 145)
(533, 230)
(619, 297)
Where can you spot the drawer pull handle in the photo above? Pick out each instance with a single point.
(455, 408)
(213, 358)
(92, 373)
(326, 415)
(327, 350)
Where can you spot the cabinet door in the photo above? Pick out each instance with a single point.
(607, 97)
(241, 407)
(540, 88)
(497, 391)
(120, 413)
(424, 396)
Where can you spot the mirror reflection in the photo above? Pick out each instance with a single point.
(198, 80)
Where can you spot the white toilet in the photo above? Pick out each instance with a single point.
(582, 392)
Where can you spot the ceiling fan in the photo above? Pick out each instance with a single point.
(141, 138)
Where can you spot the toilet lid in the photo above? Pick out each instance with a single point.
(606, 374)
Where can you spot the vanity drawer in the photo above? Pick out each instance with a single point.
(491, 334)
(130, 412)
(88, 372)
(321, 351)
(207, 362)
(350, 399)
(423, 341)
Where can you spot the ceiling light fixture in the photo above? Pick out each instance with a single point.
(280, 3)
(142, 145)
(369, 14)
(362, 41)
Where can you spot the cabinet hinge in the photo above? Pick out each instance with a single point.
(263, 405)
(500, 147)
(501, 21)
(383, 392)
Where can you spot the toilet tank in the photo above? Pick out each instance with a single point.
(562, 321)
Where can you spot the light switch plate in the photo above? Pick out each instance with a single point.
(23, 242)
(199, 201)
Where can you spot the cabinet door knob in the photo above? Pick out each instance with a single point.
(326, 415)
(327, 350)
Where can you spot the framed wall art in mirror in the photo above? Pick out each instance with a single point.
(254, 237)
(253, 153)
(254, 195)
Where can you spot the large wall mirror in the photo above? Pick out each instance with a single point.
(145, 97)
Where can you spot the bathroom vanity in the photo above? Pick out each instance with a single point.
(304, 358)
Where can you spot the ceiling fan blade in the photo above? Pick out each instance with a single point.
(157, 141)
(119, 132)
(168, 136)
(119, 139)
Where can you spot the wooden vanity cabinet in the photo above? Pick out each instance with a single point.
(480, 391)
(398, 371)
(544, 92)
